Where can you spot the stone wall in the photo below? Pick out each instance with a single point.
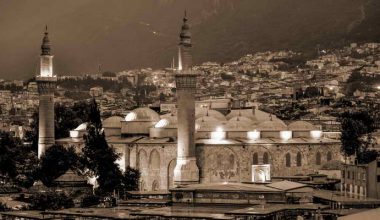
(227, 163)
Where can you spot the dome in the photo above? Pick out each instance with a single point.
(239, 124)
(241, 119)
(200, 112)
(112, 122)
(81, 127)
(276, 125)
(167, 122)
(301, 126)
(206, 118)
(247, 113)
(208, 125)
(236, 126)
(142, 114)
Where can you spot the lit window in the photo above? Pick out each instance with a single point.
(253, 135)
(285, 135)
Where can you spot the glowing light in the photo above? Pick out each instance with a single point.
(179, 59)
(162, 123)
(131, 116)
(317, 134)
(74, 134)
(219, 134)
(285, 135)
(253, 135)
(197, 126)
(378, 87)
(46, 66)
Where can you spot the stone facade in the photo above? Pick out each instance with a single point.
(223, 163)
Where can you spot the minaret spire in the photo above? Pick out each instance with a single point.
(45, 46)
(184, 46)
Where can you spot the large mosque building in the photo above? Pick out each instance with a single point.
(201, 145)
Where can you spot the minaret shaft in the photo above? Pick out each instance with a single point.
(186, 170)
(46, 82)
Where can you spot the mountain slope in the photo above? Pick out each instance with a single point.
(120, 34)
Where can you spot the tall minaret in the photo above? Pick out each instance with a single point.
(46, 86)
(186, 170)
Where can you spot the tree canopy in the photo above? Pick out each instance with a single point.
(98, 156)
(356, 135)
(55, 162)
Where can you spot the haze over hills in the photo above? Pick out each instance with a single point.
(144, 33)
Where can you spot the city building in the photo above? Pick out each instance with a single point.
(361, 179)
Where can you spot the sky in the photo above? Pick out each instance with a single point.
(127, 34)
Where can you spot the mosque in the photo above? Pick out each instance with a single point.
(199, 145)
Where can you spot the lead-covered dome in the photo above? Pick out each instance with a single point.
(301, 126)
(247, 113)
(142, 114)
(81, 127)
(167, 122)
(275, 125)
(208, 125)
(112, 122)
(201, 112)
(239, 124)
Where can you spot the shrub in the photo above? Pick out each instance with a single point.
(3, 207)
(90, 200)
(50, 201)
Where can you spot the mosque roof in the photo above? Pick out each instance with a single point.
(210, 125)
(81, 127)
(301, 126)
(239, 123)
(227, 187)
(200, 112)
(206, 118)
(286, 185)
(167, 122)
(112, 122)
(274, 125)
(142, 114)
(248, 113)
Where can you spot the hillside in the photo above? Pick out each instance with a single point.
(143, 33)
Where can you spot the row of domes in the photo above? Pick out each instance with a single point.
(209, 120)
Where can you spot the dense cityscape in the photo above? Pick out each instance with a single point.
(272, 135)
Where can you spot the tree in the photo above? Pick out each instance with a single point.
(98, 157)
(18, 162)
(66, 119)
(130, 180)
(55, 162)
(8, 146)
(356, 128)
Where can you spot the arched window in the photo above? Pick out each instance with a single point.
(154, 160)
(255, 159)
(318, 158)
(299, 159)
(288, 160)
(266, 158)
(329, 156)
(155, 185)
(143, 161)
(231, 161)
